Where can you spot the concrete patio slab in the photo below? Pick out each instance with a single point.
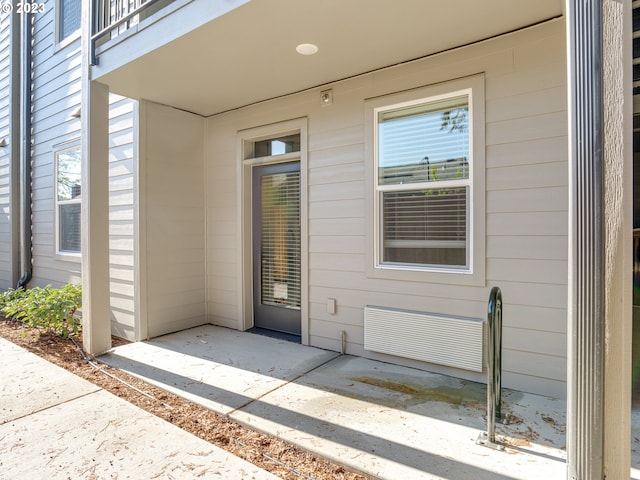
(635, 444)
(384, 420)
(35, 383)
(395, 422)
(216, 367)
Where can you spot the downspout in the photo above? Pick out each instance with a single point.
(26, 80)
(14, 148)
(587, 267)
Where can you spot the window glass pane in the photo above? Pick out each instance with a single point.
(424, 143)
(69, 17)
(276, 146)
(69, 175)
(69, 218)
(425, 227)
(68, 183)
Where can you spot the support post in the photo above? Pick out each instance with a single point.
(599, 339)
(95, 202)
(618, 234)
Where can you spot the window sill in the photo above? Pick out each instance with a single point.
(62, 44)
(427, 275)
(69, 257)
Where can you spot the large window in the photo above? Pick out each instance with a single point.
(68, 18)
(423, 182)
(68, 200)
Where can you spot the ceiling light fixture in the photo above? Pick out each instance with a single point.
(307, 49)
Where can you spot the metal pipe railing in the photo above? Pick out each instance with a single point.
(494, 369)
(110, 15)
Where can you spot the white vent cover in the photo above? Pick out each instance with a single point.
(452, 341)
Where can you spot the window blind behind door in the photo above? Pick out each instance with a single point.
(280, 239)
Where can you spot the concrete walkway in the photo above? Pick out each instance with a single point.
(55, 425)
(386, 421)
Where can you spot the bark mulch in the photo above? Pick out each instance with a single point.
(274, 455)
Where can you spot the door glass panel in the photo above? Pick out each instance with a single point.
(280, 242)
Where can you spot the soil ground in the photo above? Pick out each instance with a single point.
(271, 454)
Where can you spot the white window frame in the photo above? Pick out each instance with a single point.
(63, 254)
(474, 272)
(63, 42)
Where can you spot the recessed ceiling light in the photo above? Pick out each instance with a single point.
(307, 49)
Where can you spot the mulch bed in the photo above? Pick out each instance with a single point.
(274, 455)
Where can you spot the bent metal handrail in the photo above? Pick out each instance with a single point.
(494, 369)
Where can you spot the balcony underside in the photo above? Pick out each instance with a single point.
(247, 54)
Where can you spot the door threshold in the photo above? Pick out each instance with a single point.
(289, 337)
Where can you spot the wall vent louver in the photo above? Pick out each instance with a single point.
(452, 341)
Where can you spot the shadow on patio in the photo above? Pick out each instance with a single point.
(384, 420)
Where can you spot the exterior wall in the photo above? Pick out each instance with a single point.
(6, 242)
(122, 214)
(172, 244)
(56, 97)
(526, 205)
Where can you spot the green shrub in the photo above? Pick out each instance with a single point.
(49, 308)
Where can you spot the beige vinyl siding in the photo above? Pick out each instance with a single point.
(6, 243)
(526, 205)
(172, 216)
(527, 217)
(122, 181)
(221, 220)
(57, 79)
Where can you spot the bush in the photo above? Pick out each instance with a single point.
(49, 308)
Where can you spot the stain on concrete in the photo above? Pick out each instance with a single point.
(441, 393)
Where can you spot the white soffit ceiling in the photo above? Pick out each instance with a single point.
(248, 55)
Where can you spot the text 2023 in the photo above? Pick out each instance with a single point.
(30, 7)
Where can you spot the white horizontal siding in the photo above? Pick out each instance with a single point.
(57, 91)
(56, 79)
(526, 205)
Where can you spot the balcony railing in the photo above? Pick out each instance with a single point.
(112, 18)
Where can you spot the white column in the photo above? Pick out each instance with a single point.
(95, 202)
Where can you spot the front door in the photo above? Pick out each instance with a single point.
(276, 247)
